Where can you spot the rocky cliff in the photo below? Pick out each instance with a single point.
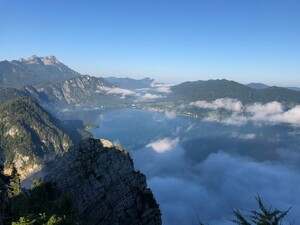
(77, 91)
(104, 186)
(30, 137)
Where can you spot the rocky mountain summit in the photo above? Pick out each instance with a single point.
(104, 187)
(34, 71)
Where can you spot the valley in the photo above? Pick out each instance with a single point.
(150, 112)
(196, 142)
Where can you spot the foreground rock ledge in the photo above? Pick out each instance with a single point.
(105, 189)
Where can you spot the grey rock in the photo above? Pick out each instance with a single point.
(105, 188)
(77, 91)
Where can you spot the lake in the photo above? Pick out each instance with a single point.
(203, 169)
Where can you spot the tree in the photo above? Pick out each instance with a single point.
(14, 183)
(261, 217)
(5, 206)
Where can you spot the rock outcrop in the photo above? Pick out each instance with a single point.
(105, 189)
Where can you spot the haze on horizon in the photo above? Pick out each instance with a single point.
(171, 41)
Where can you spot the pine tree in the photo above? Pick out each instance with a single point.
(5, 204)
(14, 183)
(261, 217)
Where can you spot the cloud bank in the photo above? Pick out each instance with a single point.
(163, 145)
(170, 115)
(204, 168)
(225, 103)
(151, 96)
(164, 89)
(271, 113)
(115, 90)
(209, 189)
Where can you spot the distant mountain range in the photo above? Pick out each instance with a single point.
(294, 88)
(214, 89)
(32, 139)
(34, 71)
(264, 86)
(258, 86)
(54, 84)
(130, 83)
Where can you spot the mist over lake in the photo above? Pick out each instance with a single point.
(202, 169)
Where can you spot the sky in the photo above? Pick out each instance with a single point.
(171, 41)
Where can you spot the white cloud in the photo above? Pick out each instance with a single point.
(170, 115)
(261, 111)
(116, 90)
(164, 89)
(146, 97)
(163, 145)
(269, 113)
(225, 103)
(211, 186)
(153, 84)
(291, 116)
(249, 136)
(151, 96)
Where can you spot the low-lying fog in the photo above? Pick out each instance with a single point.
(203, 169)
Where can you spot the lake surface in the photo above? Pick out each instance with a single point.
(201, 169)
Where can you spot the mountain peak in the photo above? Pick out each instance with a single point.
(46, 60)
(50, 60)
(33, 60)
(34, 70)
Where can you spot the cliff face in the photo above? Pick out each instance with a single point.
(105, 189)
(78, 91)
(31, 137)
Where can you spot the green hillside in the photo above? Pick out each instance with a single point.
(213, 89)
(30, 137)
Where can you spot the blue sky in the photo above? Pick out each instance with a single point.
(172, 41)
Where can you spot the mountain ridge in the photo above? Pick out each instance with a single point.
(257, 85)
(130, 83)
(211, 90)
(34, 71)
